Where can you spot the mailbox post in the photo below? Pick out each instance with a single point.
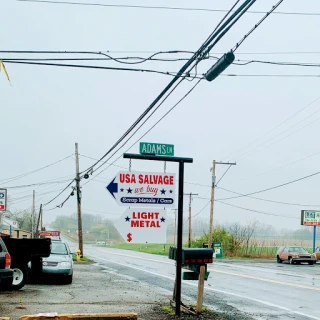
(196, 260)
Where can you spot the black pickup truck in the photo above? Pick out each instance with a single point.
(6, 274)
(23, 252)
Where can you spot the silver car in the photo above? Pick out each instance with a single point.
(59, 262)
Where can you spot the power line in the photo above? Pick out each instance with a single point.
(275, 187)
(281, 167)
(168, 73)
(194, 58)
(256, 26)
(7, 180)
(34, 184)
(272, 201)
(163, 7)
(257, 211)
(145, 132)
(274, 128)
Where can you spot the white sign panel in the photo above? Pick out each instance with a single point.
(3, 199)
(9, 222)
(138, 225)
(143, 189)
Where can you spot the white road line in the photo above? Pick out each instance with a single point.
(216, 290)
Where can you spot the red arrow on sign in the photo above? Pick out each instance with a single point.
(129, 237)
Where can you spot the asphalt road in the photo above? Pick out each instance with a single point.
(261, 290)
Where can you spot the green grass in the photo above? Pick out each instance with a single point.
(83, 259)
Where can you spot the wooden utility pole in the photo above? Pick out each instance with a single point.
(213, 185)
(32, 213)
(190, 228)
(78, 201)
(38, 223)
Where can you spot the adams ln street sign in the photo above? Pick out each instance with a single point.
(146, 189)
(138, 225)
(159, 149)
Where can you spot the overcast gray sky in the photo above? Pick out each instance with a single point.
(48, 109)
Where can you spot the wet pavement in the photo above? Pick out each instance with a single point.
(263, 290)
(128, 281)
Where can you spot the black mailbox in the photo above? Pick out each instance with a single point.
(198, 256)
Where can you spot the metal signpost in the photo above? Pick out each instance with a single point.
(3, 199)
(311, 218)
(140, 225)
(146, 189)
(181, 162)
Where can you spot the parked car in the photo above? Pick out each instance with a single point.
(316, 254)
(6, 274)
(59, 262)
(294, 254)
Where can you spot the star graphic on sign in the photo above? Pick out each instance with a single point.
(127, 218)
(163, 191)
(171, 191)
(129, 190)
(162, 219)
(121, 189)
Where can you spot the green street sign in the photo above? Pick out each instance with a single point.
(159, 149)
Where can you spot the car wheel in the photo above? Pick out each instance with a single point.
(279, 260)
(68, 279)
(291, 260)
(20, 275)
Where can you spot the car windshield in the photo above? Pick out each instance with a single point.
(58, 248)
(297, 249)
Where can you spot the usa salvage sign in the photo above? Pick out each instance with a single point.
(3, 199)
(146, 189)
(143, 226)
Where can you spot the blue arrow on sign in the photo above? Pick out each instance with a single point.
(112, 187)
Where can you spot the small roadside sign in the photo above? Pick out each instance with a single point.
(144, 189)
(160, 149)
(138, 225)
(310, 218)
(3, 199)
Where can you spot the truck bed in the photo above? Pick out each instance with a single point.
(28, 248)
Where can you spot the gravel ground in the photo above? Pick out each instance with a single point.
(98, 290)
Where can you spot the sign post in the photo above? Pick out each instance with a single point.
(181, 162)
(311, 218)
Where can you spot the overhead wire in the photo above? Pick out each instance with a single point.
(181, 71)
(163, 7)
(8, 180)
(271, 130)
(271, 201)
(81, 66)
(165, 91)
(257, 211)
(274, 187)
